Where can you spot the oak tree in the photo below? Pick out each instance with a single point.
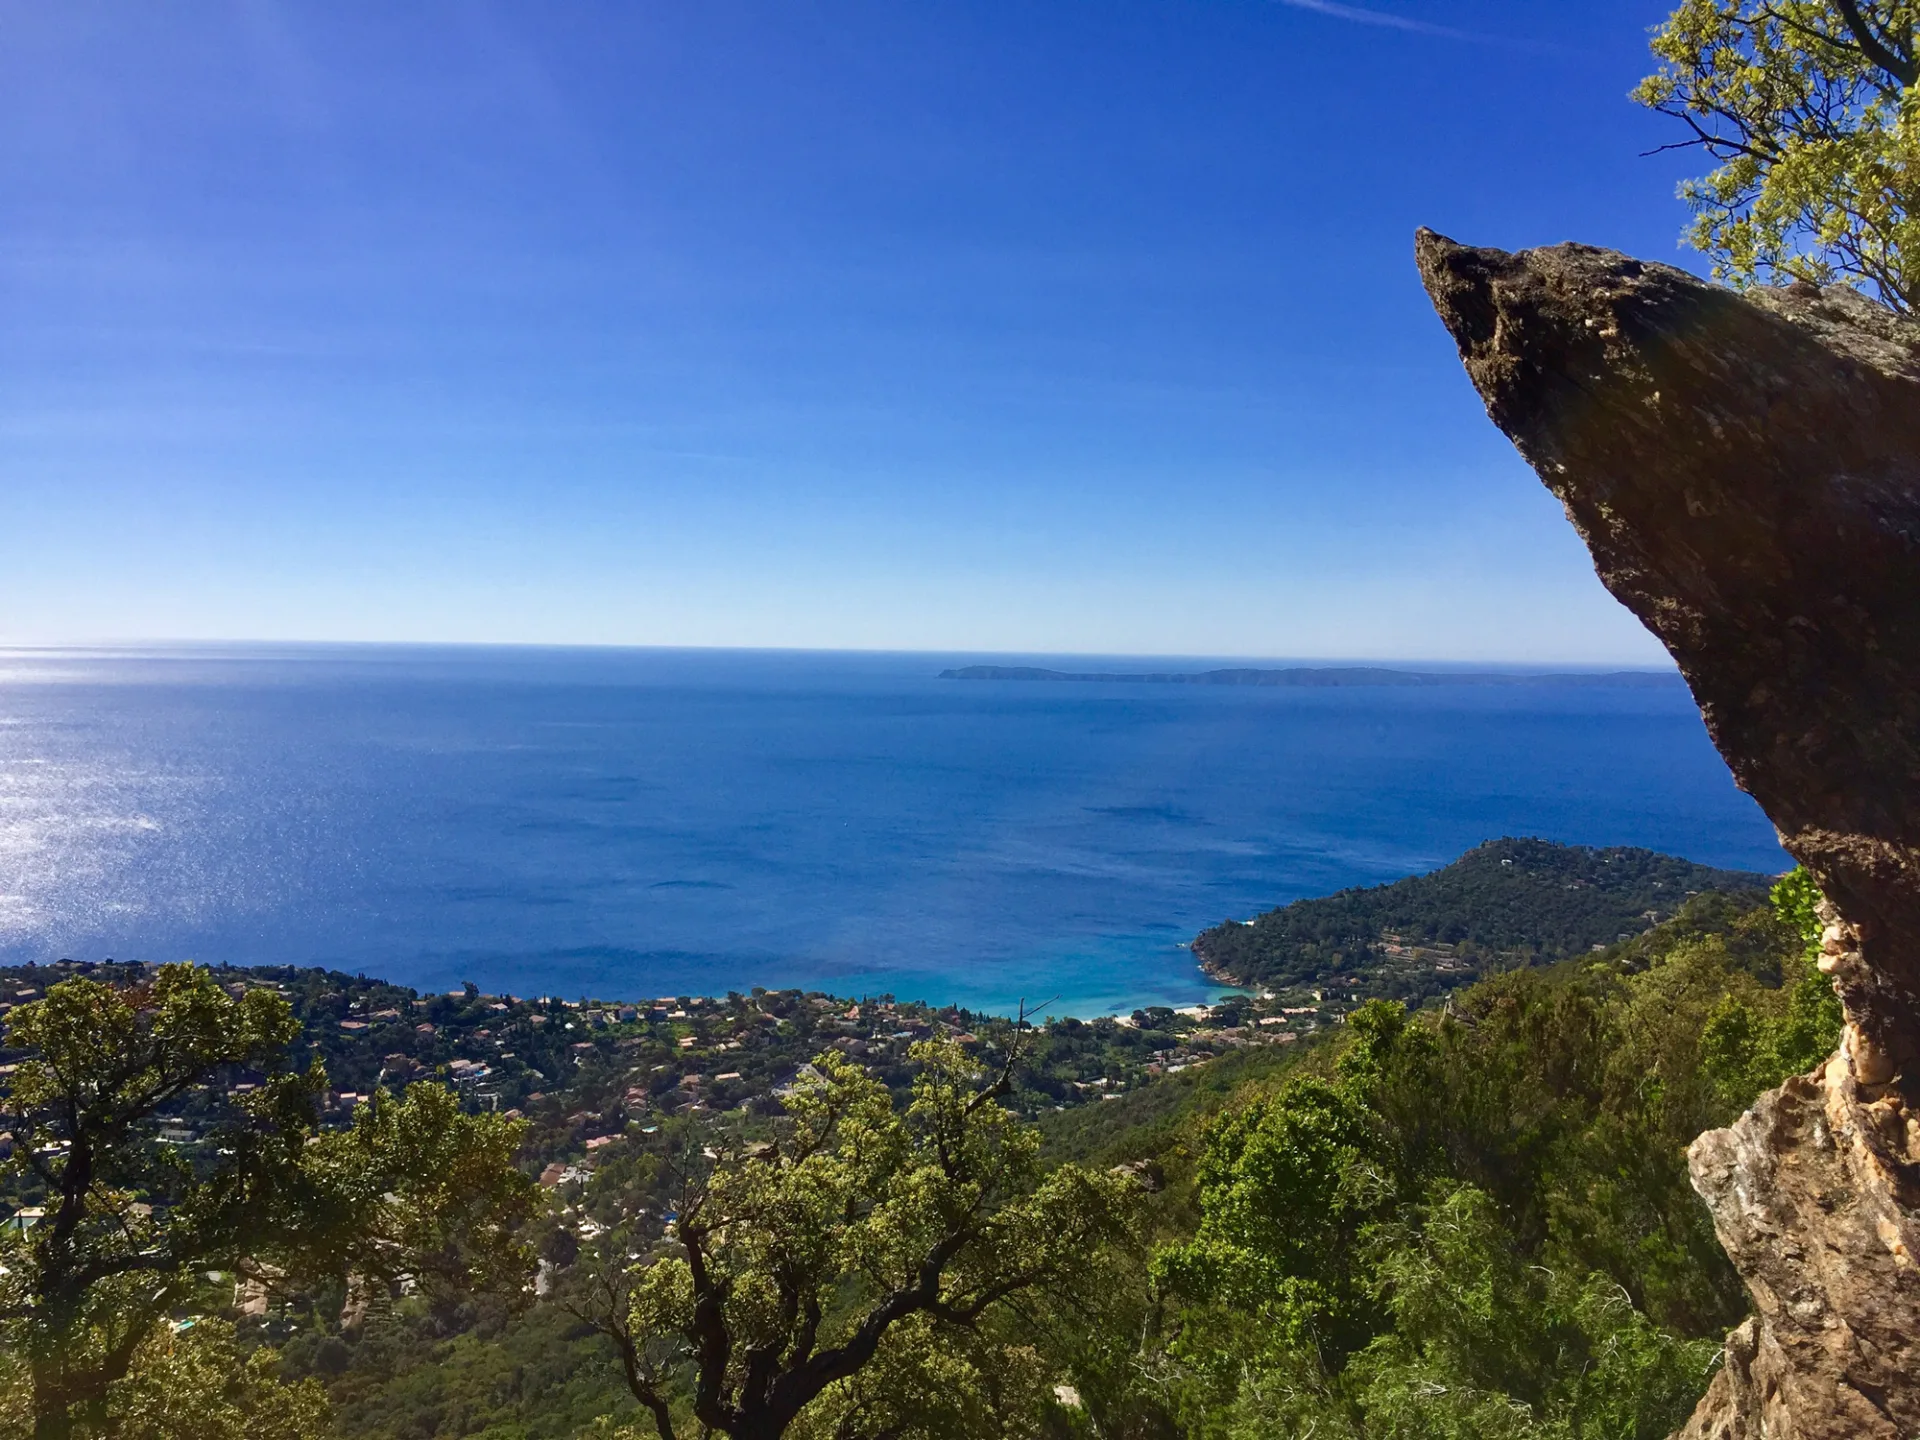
(111, 1228)
(849, 1277)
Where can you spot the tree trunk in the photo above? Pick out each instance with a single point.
(52, 1416)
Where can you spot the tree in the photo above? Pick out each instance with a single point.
(1286, 1185)
(195, 1383)
(1488, 1344)
(1480, 1223)
(190, 1383)
(1810, 108)
(128, 1223)
(845, 1278)
(1745, 1050)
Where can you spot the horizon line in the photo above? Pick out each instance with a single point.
(151, 645)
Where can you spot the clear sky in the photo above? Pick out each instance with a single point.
(1029, 325)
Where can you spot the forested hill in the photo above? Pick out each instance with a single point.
(1504, 900)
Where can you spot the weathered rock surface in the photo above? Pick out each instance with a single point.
(1821, 1232)
(1746, 474)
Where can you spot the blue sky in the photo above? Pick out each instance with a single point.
(1069, 325)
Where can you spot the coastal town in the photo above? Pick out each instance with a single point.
(609, 1087)
(594, 1078)
(630, 1110)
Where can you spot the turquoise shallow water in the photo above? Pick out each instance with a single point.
(626, 823)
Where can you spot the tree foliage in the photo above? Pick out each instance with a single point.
(1480, 1223)
(857, 1275)
(128, 1224)
(1809, 109)
(192, 1382)
(1468, 1222)
(1287, 1186)
(195, 1382)
(1746, 1049)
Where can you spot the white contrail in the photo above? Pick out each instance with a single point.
(1361, 16)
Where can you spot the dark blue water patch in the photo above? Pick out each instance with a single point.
(633, 823)
(1173, 814)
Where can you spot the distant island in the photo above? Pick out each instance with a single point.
(1324, 678)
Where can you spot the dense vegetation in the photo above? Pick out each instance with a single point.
(1503, 903)
(113, 1228)
(1467, 1221)
(839, 1277)
(1479, 1223)
(1808, 109)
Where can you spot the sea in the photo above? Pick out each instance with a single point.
(631, 823)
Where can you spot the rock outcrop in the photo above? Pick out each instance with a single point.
(1745, 470)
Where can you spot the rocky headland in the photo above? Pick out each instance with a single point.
(1745, 470)
(1505, 903)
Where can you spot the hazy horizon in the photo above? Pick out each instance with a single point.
(164, 646)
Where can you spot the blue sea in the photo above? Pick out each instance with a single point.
(628, 823)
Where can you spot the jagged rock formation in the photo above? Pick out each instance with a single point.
(1746, 473)
(1804, 1202)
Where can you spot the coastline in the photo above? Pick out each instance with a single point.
(594, 823)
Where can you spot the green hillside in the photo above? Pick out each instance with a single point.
(1506, 901)
(1318, 1190)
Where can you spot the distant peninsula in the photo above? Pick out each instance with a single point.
(1507, 902)
(1325, 678)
